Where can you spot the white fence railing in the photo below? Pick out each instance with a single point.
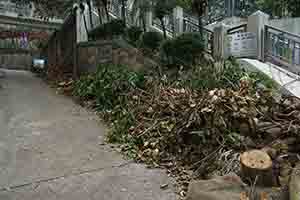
(282, 47)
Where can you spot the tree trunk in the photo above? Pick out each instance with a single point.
(90, 13)
(256, 166)
(294, 185)
(106, 9)
(85, 24)
(144, 23)
(124, 11)
(99, 13)
(200, 26)
(163, 27)
(107, 13)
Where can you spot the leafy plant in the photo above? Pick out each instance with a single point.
(107, 85)
(208, 77)
(183, 50)
(108, 30)
(134, 33)
(150, 40)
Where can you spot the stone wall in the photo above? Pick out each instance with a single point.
(117, 51)
(126, 54)
(61, 47)
(91, 54)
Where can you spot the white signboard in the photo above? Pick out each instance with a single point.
(242, 45)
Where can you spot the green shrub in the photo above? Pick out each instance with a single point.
(134, 33)
(150, 40)
(166, 52)
(185, 49)
(108, 30)
(107, 85)
(210, 77)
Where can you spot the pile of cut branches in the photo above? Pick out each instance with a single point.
(193, 133)
(204, 131)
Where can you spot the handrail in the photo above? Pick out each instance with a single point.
(231, 30)
(194, 24)
(282, 31)
(282, 47)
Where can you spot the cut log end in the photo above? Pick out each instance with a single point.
(256, 159)
(256, 166)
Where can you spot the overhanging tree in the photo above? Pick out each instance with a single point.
(280, 8)
(199, 7)
(294, 8)
(46, 9)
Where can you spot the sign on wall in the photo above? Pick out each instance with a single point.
(242, 45)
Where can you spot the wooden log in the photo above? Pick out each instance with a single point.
(294, 186)
(256, 166)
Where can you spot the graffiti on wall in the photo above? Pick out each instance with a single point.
(22, 39)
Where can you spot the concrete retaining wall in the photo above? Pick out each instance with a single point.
(16, 59)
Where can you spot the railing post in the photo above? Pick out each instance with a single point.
(220, 42)
(256, 24)
(81, 34)
(148, 20)
(178, 20)
(267, 44)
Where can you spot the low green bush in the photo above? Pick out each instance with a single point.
(107, 85)
(209, 77)
(150, 40)
(113, 28)
(133, 33)
(185, 49)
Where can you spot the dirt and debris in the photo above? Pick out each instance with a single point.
(201, 134)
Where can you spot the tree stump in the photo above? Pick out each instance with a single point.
(256, 166)
(294, 186)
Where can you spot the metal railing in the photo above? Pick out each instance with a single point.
(208, 35)
(238, 29)
(282, 47)
(169, 24)
(15, 8)
(115, 8)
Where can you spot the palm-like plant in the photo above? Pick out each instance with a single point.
(199, 7)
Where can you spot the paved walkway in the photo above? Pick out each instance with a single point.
(52, 149)
(288, 81)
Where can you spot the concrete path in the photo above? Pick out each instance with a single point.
(52, 149)
(289, 82)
